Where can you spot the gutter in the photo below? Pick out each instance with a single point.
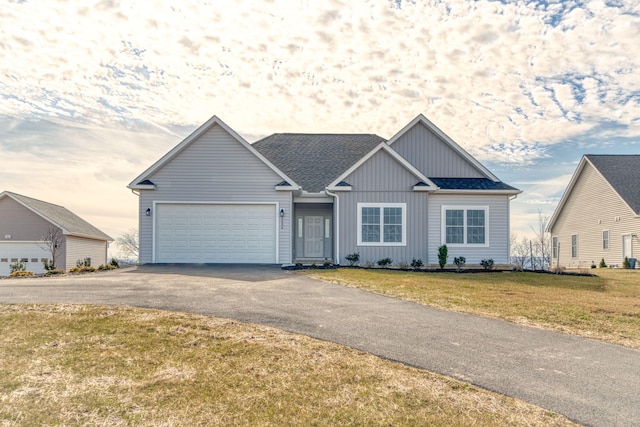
(337, 224)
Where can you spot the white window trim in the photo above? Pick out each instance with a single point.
(402, 206)
(577, 254)
(608, 240)
(555, 249)
(443, 225)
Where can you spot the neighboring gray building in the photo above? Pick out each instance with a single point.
(599, 213)
(25, 224)
(287, 198)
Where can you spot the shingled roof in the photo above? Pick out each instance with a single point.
(314, 161)
(470, 184)
(623, 173)
(60, 216)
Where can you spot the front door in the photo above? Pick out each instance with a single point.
(626, 247)
(313, 237)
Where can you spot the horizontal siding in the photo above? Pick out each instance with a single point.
(20, 223)
(79, 248)
(592, 207)
(432, 156)
(214, 168)
(498, 248)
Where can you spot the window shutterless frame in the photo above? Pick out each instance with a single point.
(382, 224)
(465, 226)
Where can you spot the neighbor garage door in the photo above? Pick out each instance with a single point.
(32, 252)
(215, 233)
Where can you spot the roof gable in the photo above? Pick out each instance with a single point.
(59, 216)
(315, 160)
(384, 147)
(421, 120)
(620, 172)
(142, 182)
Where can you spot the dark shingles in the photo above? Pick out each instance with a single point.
(623, 173)
(314, 161)
(470, 184)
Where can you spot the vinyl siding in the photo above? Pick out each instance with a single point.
(383, 180)
(21, 223)
(79, 248)
(432, 156)
(591, 207)
(214, 168)
(498, 223)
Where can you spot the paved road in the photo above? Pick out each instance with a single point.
(590, 382)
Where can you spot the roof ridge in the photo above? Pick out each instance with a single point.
(34, 199)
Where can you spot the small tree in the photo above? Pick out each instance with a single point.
(626, 264)
(443, 254)
(603, 264)
(129, 243)
(52, 241)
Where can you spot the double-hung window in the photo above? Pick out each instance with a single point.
(465, 225)
(382, 224)
(574, 246)
(605, 239)
(554, 247)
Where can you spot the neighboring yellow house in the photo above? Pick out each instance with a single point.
(598, 216)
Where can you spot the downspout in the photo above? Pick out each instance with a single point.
(337, 224)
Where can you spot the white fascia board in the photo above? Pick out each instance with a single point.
(565, 195)
(383, 146)
(141, 187)
(86, 236)
(286, 188)
(340, 188)
(214, 120)
(422, 119)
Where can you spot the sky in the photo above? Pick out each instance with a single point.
(94, 92)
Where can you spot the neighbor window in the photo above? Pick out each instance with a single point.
(605, 239)
(465, 225)
(554, 247)
(574, 246)
(382, 224)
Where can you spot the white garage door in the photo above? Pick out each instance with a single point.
(211, 233)
(19, 251)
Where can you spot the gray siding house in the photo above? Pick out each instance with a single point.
(599, 213)
(312, 198)
(25, 224)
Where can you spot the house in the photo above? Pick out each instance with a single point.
(598, 216)
(30, 230)
(215, 198)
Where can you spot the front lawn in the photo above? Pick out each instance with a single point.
(606, 307)
(113, 366)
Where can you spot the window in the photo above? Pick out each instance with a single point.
(465, 225)
(382, 224)
(574, 246)
(554, 247)
(605, 239)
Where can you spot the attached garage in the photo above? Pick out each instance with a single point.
(215, 233)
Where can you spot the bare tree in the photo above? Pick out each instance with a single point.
(129, 243)
(520, 253)
(542, 241)
(52, 241)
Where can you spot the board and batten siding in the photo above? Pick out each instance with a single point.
(79, 248)
(383, 180)
(214, 168)
(432, 156)
(592, 207)
(498, 223)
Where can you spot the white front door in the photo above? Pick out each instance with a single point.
(626, 247)
(313, 237)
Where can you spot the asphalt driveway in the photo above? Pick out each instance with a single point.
(588, 381)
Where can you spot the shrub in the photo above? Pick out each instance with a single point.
(459, 262)
(384, 262)
(353, 259)
(487, 264)
(625, 263)
(327, 263)
(17, 266)
(82, 269)
(54, 272)
(114, 262)
(21, 273)
(416, 263)
(105, 267)
(443, 254)
(48, 265)
(603, 264)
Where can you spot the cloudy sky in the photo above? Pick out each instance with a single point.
(94, 92)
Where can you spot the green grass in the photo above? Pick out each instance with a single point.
(91, 365)
(606, 307)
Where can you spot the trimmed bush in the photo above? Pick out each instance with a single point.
(416, 263)
(21, 273)
(443, 254)
(353, 259)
